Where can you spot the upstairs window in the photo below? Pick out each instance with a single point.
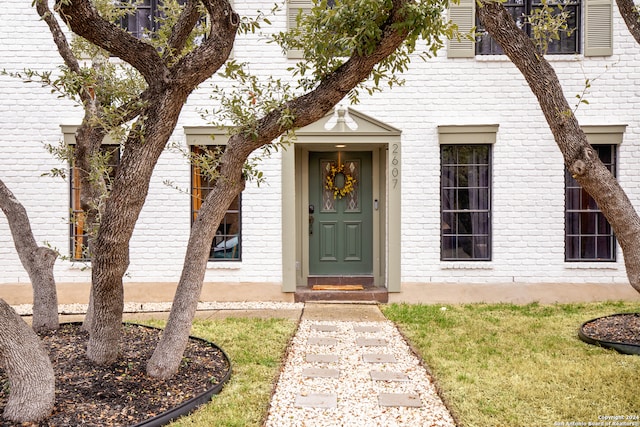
(226, 244)
(143, 19)
(148, 15)
(592, 19)
(520, 10)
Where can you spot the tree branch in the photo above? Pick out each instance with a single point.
(83, 19)
(199, 64)
(181, 30)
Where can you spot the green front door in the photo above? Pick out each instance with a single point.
(340, 213)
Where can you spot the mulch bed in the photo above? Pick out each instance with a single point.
(121, 394)
(621, 328)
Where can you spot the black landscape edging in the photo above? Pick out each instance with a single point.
(187, 406)
(192, 404)
(624, 348)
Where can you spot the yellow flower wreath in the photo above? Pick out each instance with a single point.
(349, 181)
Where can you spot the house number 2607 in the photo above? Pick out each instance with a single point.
(395, 162)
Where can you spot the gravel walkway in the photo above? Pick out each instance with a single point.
(344, 373)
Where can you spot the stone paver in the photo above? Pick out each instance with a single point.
(399, 399)
(388, 376)
(324, 328)
(320, 373)
(367, 329)
(316, 400)
(322, 341)
(322, 358)
(371, 342)
(379, 358)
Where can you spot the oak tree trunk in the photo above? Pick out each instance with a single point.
(580, 159)
(111, 246)
(28, 368)
(38, 261)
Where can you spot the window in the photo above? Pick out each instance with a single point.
(227, 241)
(143, 19)
(520, 10)
(147, 17)
(78, 228)
(465, 202)
(588, 235)
(593, 20)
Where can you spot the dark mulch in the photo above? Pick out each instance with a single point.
(622, 328)
(120, 394)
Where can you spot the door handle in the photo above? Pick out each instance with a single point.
(311, 219)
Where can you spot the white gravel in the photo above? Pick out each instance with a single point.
(357, 394)
(150, 307)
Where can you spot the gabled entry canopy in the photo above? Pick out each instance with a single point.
(351, 126)
(347, 130)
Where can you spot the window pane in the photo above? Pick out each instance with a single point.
(572, 247)
(480, 223)
(572, 223)
(604, 247)
(448, 198)
(588, 223)
(481, 247)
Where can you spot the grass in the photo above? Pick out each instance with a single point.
(256, 348)
(512, 365)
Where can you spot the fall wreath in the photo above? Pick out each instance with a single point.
(336, 174)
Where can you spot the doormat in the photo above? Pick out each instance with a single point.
(337, 287)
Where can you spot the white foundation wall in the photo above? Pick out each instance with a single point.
(527, 175)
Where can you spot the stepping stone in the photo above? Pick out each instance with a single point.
(321, 358)
(370, 329)
(371, 342)
(316, 400)
(379, 358)
(320, 373)
(399, 399)
(388, 376)
(324, 328)
(322, 341)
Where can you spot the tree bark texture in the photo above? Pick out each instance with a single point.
(307, 109)
(169, 85)
(27, 365)
(38, 261)
(580, 159)
(631, 17)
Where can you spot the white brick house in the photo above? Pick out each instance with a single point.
(460, 185)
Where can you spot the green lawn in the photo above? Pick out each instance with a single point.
(256, 348)
(510, 365)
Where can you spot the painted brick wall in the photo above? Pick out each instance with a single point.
(528, 198)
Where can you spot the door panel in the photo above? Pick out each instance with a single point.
(353, 241)
(341, 221)
(328, 241)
